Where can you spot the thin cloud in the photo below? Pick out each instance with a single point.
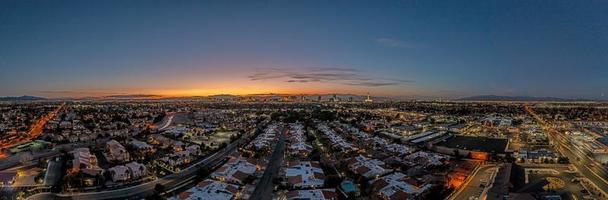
(345, 76)
(374, 84)
(390, 42)
(333, 69)
(297, 81)
(264, 76)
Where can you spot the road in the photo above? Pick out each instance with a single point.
(38, 126)
(166, 121)
(263, 190)
(587, 166)
(35, 130)
(147, 189)
(471, 188)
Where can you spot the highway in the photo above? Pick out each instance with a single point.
(166, 121)
(587, 166)
(147, 189)
(263, 189)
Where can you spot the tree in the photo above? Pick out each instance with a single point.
(315, 155)
(100, 180)
(332, 181)
(25, 157)
(202, 173)
(158, 188)
(517, 122)
(365, 186)
(457, 154)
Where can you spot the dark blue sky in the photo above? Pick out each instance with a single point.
(399, 48)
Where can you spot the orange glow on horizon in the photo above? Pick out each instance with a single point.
(231, 87)
(247, 88)
(203, 92)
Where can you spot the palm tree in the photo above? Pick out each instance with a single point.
(112, 174)
(141, 169)
(100, 179)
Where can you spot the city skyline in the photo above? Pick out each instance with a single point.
(393, 48)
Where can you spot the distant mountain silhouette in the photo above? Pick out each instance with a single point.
(514, 98)
(21, 98)
(133, 96)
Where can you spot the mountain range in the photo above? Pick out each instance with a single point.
(515, 98)
(22, 98)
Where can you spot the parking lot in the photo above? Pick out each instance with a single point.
(554, 180)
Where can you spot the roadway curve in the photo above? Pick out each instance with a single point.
(166, 121)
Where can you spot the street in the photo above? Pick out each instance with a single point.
(263, 190)
(472, 188)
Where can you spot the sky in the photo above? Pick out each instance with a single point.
(415, 49)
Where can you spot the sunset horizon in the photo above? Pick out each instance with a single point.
(391, 48)
(303, 99)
